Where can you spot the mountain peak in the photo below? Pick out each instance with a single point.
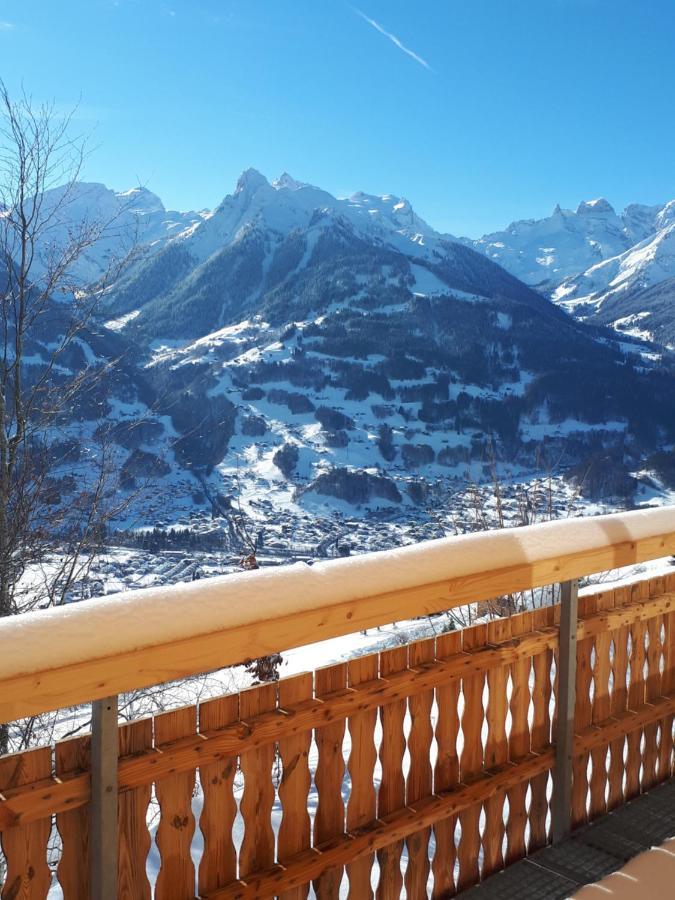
(142, 199)
(250, 180)
(600, 206)
(287, 181)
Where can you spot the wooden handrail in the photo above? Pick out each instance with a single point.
(622, 745)
(33, 802)
(87, 651)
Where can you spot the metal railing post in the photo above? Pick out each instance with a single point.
(103, 822)
(561, 807)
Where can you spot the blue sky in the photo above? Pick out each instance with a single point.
(477, 111)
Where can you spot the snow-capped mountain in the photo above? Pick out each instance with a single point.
(316, 351)
(287, 204)
(634, 285)
(268, 245)
(119, 220)
(595, 262)
(301, 351)
(614, 269)
(543, 252)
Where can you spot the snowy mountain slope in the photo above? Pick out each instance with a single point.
(543, 252)
(287, 204)
(125, 220)
(619, 287)
(655, 315)
(115, 438)
(296, 351)
(581, 258)
(373, 404)
(318, 353)
(595, 263)
(268, 245)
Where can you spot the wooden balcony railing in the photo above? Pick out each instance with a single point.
(426, 766)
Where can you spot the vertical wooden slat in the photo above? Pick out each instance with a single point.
(133, 836)
(419, 780)
(601, 711)
(25, 846)
(541, 732)
(218, 865)
(636, 695)
(496, 751)
(361, 804)
(652, 689)
(583, 717)
(471, 761)
(668, 685)
(391, 795)
(330, 814)
(71, 757)
(257, 848)
(446, 772)
(665, 766)
(295, 828)
(519, 742)
(176, 878)
(618, 703)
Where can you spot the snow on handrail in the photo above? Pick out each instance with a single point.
(84, 651)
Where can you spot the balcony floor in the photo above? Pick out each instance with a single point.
(592, 853)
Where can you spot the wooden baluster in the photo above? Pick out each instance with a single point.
(295, 828)
(618, 703)
(496, 751)
(652, 689)
(668, 685)
(636, 695)
(218, 865)
(519, 742)
(257, 847)
(361, 804)
(133, 836)
(330, 814)
(583, 716)
(665, 765)
(600, 711)
(391, 795)
(471, 761)
(419, 780)
(542, 663)
(72, 757)
(27, 874)
(176, 877)
(446, 772)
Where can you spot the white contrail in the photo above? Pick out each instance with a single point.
(393, 39)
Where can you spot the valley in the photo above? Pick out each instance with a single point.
(298, 376)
